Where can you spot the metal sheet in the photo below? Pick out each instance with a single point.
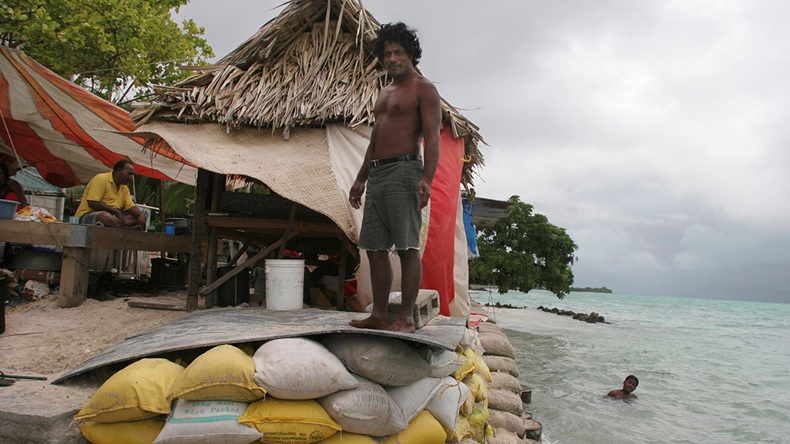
(236, 326)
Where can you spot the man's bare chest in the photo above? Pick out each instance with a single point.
(397, 102)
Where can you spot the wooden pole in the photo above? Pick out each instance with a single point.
(217, 187)
(288, 229)
(162, 254)
(196, 256)
(341, 273)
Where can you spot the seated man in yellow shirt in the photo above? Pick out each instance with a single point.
(106, 199)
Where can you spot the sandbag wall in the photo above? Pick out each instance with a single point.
(338, 388)
(512, 424)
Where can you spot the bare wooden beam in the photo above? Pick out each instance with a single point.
(196, 256)
(279, 225)
(217, 187)
(288, 228)
(248, 263)
(241, 251)
(74, 277)
(341, 274)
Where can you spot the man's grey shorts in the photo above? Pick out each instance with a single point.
(391, 216)
(89, 218)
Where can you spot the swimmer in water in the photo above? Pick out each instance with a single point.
(629, 385)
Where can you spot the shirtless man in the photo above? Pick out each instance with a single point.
(106, 199)
(399, 181)
(629, 385)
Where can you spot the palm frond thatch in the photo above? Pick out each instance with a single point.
(311, 65)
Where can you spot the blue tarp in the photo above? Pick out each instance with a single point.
(471, 231)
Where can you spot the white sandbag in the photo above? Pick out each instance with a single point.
(505, 401)
(386, 361)
(413, 398)
(447, 402)
(504, 437)
(497, 344)
(505, 381)
(207, 422)
(443, 362)
(367, 409)
(299, 368)
(501, 364)
(506, 421)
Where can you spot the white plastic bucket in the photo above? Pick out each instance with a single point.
(284, 284)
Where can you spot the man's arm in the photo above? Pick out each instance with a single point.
(431, 115)
(16, 188)
(358, 187)
(142, 220)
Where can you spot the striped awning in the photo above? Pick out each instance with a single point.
(65, 132)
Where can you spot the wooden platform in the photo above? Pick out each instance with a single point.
(237, 326)
(77, 241)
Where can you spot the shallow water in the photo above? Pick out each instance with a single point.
(710, 371)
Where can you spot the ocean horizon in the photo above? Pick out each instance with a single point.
(710, 370)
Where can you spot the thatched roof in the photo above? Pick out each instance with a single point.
(311, 65)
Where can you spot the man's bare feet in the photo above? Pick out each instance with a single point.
(402, 326)
(369, 322)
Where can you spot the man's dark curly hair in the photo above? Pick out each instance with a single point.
(398, 33)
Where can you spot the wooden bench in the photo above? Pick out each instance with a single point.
(77, 241)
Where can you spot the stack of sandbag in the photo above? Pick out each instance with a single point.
(506, 409)
(338, 388)
(203, 401)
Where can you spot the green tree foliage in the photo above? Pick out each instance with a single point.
(110, 47)
(523, 251)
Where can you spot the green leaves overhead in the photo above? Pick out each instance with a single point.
(108, 46)
(523, 251)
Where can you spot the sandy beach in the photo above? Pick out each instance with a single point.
(44, 339)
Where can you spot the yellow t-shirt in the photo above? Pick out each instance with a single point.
(103, 188)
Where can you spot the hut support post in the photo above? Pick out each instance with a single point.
(341, 274)
(217, 187)
(74, 277)
(162, 254)
(196, 256)
(288, 229)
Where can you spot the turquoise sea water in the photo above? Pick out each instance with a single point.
(710, 371)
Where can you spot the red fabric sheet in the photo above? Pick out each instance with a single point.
(438, 259)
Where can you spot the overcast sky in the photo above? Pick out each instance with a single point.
(655, 132)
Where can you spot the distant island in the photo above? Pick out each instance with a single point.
(592, 290)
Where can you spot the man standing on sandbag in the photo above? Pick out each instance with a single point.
(407, 113)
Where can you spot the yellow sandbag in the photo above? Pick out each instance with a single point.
(287, 421)
(224, 373)
(477, 386)
(424, 429)
(462, 430)
(466, 367)
(479, 416)
(479, 365)
(137, 392)
(350, 438)
(130, 432)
